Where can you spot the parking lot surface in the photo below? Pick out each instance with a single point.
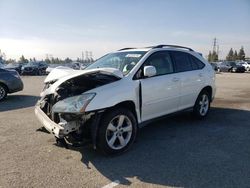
(176, 151)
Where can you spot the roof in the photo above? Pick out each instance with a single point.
(156, 47)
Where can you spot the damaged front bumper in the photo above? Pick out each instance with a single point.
(49, 125)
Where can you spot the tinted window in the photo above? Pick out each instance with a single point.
(162, 63)
(196, 63)
(182, 61)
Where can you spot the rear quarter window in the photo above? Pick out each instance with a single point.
(196, 63)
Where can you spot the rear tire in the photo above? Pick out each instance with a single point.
(202, 105)
(3, 92)
(117, 131)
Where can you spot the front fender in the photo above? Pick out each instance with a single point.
(109, 95)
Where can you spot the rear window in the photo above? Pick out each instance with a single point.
(182, 61)
(196, 63)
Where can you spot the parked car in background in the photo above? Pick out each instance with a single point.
(215, 66)
(34, 68)
(244, 64)
(10, 82)
(231, 66)
(14, 66)
(110, 99)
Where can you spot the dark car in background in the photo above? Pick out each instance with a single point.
(10, 82)
(34, 68)
(231, 66)
(14, 66)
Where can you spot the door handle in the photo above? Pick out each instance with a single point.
(175, 79)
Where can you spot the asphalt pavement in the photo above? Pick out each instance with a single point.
(176, 151)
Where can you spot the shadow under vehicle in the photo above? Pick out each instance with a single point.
(174, 153)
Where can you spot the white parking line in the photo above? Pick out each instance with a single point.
(112, 184)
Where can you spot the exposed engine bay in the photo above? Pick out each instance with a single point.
(74, 125)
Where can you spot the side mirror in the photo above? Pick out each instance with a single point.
(149, 71)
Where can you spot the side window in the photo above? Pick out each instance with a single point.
(182, 61)
(161, 61)
(196, 63)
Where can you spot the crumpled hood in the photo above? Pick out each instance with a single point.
(58, 72)
(62, 75)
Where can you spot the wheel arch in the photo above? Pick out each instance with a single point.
(129, 104)
(208, 89)
(3, 84)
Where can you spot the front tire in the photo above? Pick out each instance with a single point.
(3, 92)
(117, 132)
(202, 105)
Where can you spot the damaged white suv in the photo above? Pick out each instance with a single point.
(120, 92)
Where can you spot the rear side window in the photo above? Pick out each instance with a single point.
(196, 63)
(182, 61)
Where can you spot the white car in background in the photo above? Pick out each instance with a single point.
(122, 91)
(245, 64)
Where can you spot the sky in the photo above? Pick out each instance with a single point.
(64, 28)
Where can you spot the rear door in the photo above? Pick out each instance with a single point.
(160, 93)
(190, 71)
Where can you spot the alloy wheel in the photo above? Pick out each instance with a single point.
(119, 132)
(204, 105)
(2, 92)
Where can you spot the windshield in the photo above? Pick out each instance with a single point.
(124, 61)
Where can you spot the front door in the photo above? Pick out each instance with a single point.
(160, 93)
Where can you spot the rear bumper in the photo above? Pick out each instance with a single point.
(50, 125)
(15, 86)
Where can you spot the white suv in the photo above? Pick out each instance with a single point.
(120, 92)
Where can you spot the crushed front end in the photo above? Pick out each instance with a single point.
(59, 124)
(61, 109)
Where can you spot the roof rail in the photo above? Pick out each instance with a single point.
(174, 46)
(125, 49)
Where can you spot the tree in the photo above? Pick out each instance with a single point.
(10, 61)
(23, 60)
(214, 56)
(235, 56)
(67, 60)
(47, 60)
(2, 57)
(241, 54)
(230, 55)
(78, 60)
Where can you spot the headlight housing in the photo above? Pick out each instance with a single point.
(76, 104)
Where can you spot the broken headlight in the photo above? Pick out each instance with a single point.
(76, 104)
